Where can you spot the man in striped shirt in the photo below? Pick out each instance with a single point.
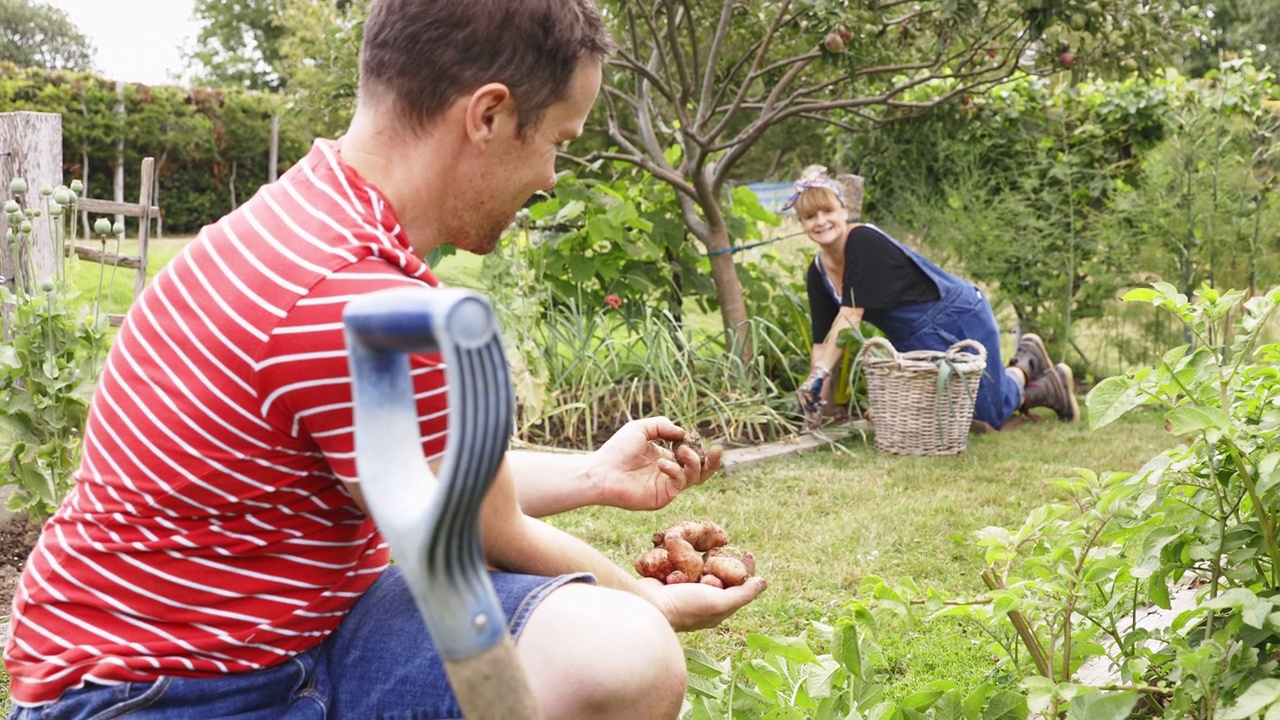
(215, 558)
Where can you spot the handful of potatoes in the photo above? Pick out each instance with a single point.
(694, 551)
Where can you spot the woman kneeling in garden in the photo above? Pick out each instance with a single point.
(861, 273)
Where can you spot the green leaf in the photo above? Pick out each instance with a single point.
(570, 211)
(923, 699)
(1268, 473)
(769, 681)
(1158, 591)
(820, 679)
(1110, 399)
(1140, 295)
(700, 663)
(1169, 291)
(784, 713)
(950, 706)
(846, 649)
(581, 269)
(1260, 695)
(1102, 706)
(794, 649)
(1194, 418)
(704, 687)
(1006, 705)
(976, 700)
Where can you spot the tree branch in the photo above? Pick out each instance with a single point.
(705, 102)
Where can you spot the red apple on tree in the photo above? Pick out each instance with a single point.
(1066, 59)
(833, 42)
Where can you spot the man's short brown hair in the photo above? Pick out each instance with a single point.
(424, 54)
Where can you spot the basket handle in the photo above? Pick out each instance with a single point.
(972, 346)
(877, 346)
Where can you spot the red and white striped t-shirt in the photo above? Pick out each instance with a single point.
(208, 531)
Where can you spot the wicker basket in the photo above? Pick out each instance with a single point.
(922, 401)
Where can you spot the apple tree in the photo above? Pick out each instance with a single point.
(696, 85)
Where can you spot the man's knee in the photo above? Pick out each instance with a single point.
(591, 651)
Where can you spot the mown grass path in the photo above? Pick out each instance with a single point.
(821, 522)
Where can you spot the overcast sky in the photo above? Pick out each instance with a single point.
(137, 40)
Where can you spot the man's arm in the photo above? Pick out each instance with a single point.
(515, 542)
(629, 472)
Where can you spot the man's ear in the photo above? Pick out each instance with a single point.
(490, 108)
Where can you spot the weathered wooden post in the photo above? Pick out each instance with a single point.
(30, 148)
(273, 152)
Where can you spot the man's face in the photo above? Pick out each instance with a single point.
(523, 166)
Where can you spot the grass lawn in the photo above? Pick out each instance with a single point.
(820, 523)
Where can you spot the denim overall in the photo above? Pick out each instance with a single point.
(961, 311)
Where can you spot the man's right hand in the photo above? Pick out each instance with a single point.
(694, 606)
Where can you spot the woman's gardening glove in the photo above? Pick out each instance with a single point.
(811, 395)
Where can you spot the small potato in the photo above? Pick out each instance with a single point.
(655, 564)
(676, 577)
(703, 535)
(683, 557)
(731, 571)
(693, 441)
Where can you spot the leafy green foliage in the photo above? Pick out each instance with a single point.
(36, 34)
(1236, 28)
(319, 60)
(1068, 588)
(48, 367)
(1060, 195)
(584, 362)
(238, 44)
(622, 234)
(210, 147)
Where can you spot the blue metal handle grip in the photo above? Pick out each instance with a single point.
(433, 528)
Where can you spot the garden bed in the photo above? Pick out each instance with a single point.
(17, 537)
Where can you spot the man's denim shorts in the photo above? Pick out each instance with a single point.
(379, 664)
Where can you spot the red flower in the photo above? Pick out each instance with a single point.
(613, 301)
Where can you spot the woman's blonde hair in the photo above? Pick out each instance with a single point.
(815, 200)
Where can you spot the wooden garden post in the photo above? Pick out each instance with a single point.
(30, 148)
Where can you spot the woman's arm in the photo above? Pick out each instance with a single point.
(827, 353)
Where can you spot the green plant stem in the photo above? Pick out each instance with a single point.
(975, 601)
(1071, 242)
(1073, 596)
(1022, 627)
(1149, 689)
(1265, 522)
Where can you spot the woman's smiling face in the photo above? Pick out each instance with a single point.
(826, 226)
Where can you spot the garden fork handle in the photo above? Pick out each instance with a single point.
(433, 525)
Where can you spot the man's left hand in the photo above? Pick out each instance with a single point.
(637, 474)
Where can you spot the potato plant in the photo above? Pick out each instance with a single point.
(1067, 586)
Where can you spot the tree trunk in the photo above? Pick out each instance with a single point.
(273, 153)
(232, 183)
(84, 191)
(31, 149)
(733, 307)
(118, 195)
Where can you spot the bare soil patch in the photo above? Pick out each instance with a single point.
(17, 537)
